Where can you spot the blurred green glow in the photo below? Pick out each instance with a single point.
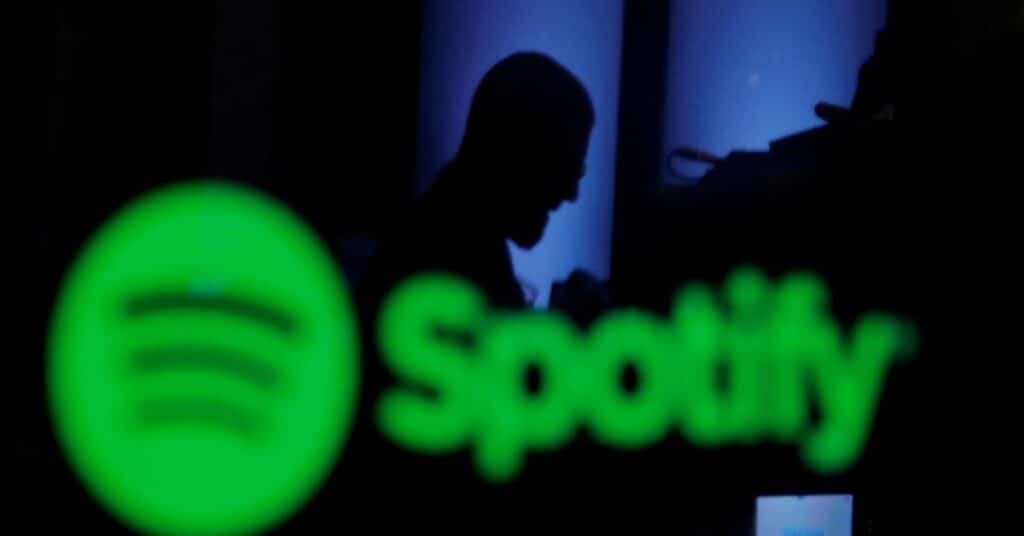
(766, 337)
(203, 362)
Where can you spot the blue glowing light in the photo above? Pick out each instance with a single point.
(744, 72)
(461, 41)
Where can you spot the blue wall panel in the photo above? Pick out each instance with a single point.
(744, 72)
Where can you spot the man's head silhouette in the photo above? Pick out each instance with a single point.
(526, 142)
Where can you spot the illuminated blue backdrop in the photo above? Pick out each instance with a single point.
(461, 41)
(740, 73)
(744, 72)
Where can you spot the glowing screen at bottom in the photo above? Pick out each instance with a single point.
(808, 515)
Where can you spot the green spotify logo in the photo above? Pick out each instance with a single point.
(775, 342)
(203, 362)
(203, 367)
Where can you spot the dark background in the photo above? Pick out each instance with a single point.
(316, 104)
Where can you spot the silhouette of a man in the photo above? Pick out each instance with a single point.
(522, 155)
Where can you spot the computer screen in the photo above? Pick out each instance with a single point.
(804, 515)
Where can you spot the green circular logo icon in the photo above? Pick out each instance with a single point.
(203, 362)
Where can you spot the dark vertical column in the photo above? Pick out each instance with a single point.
(641, 104)
(345, 111)
(243, 70)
